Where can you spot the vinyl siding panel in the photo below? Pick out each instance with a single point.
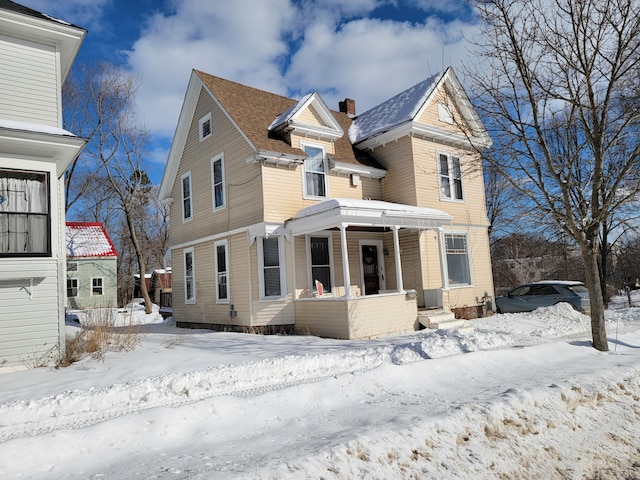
(29, 324)
(310, 116)
(399, 183)
(430, 115)
(29, 79)
(89, 268)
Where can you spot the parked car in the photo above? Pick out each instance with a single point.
(530, 296)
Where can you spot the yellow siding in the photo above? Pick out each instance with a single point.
(296, 139)
(310, 116)
(430, 116)
(399, 184)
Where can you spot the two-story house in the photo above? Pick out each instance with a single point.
(92, 266)
(287, 215)
(36, 54)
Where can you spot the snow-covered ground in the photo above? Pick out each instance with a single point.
(511, 396)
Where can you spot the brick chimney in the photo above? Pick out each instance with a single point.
(348, 106)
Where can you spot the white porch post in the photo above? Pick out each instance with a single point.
(396, 249)
(345, 260)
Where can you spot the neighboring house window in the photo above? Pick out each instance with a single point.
(72, 287)
(204, 126)
(187, 204)
(189, 276)
(222, 271)
(24, 213)
(96, 287)
(271, 266)
(457, 259)
(450, 177)
(315, 172)
(217, 180)
(444, 113)
(72, 266)
(320, 255)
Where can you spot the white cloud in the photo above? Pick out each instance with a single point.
(84, 13)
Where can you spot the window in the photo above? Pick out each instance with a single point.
(450, 177)
(96, 287)
(217, 181)
(72, 266)
(186, 197)
(270, 263)
(24, 213)
(204, 126)
(457, 259)
(72, 287)
(444, 113)
(319, 252)
(315, 171)
(189, 276)
(222, 271)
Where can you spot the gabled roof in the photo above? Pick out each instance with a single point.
(289, 120)
(397, 116)
(253, 111)
(88, 239)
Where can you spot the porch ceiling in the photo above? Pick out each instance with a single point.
(338, 212)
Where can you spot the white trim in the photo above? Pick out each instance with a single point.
(444, 113)
(190, 250)
(362, 170)
(310, 279)
(446, 262)
(379, 244)
(224, 243)
(281, 267)
(101, 287)
(182, 197)
(450, 176)
(325, 163)
(220, 158)
(206, 118)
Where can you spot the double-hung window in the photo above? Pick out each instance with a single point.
(204, 127)
(187, 204)
(72, 287)
(320, 255)
(96, 287)
(271, 266)
(450, 177)
(24, 213)
(189, 276)
(222, 271)
(217, 181)
(315, 172)
(457, 259)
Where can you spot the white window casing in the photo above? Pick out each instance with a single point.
(271, 264)
(189, 276)
(456, 246)
(450, 177)
(187, 197)
(205, 127)
(320, 261)
(221, 259)
(218, 182)
(315, 182)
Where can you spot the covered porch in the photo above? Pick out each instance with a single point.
(348, 266)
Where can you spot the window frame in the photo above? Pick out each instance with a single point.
(445, 113)
(184, 199)
(467, 259)
(222, 243)
(187, 299)
(72, 266)
(94, 287)
(305, 172)
(281, 268)
(45, 178)
(201, 123)
(451, 177)
(310, 265)
(72, 280)
(214, 160)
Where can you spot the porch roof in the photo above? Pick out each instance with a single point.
(336, 212)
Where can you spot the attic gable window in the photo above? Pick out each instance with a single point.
(24, 213)
(450, 175)
(444, 113)
(315, 172)
(204, 126)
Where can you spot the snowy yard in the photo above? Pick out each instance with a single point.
(511, 396)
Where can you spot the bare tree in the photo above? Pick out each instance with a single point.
(114, 171)
(554, 93)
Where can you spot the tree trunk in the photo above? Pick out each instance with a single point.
(141, 262)
(592, 277)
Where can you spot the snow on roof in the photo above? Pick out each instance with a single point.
(88, 239)
(289, 112)
(33, 127)
(393, 112)
(395, 208)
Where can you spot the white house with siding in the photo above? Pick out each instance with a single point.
(36, 54)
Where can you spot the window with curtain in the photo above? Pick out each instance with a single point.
(457, 259)
(24, 213)
(315, 169)
(271, 269)
(450, 177)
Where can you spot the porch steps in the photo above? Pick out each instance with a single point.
(438, 318)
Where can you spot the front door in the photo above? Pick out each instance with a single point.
(372, 267)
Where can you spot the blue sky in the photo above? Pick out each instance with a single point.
(367, 50)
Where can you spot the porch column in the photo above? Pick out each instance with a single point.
(396, 249)
(345, 260)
